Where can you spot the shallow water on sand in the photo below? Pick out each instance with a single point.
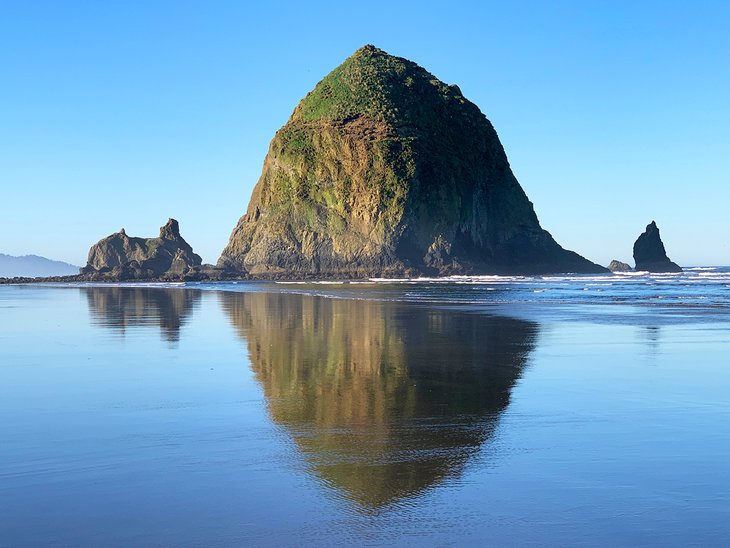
(425, 413)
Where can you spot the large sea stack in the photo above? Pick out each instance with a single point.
(383, 170)
(649, 252)
(121, 257)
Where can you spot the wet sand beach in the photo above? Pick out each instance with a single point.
(431, 414)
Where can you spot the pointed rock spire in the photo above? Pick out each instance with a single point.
(171, 230)
(649, 252)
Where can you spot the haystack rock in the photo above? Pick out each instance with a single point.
(383, 170)
(119, 256)
(649, 252)
(618, 266)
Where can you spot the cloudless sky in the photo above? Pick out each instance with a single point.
(124, 113)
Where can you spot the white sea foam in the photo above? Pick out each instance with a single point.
(323, 282)
(713, 274)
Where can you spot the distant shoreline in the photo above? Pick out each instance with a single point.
(81, 278)
(23, 280)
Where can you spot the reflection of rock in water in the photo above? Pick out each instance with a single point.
(651, 336)
(384, 399)
(122, 307)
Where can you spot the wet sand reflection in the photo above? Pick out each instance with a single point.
(385, 400)
(120, 308)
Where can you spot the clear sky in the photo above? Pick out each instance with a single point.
(122, 114)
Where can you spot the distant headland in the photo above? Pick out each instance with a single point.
(33, 266)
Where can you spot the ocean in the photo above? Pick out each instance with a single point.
(464, 411)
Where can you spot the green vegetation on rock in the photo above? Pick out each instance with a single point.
(384, 170)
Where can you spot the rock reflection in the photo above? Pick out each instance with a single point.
(385, 400)
(122, 307)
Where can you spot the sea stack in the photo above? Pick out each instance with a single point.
(121, 257)
(383, 170)
(649, 252)
(618, 266)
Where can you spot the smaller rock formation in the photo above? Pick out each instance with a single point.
(121, 257)
(618, 266)
(649, 252)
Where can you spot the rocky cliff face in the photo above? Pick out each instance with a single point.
(384, 170)
(649, 252)
(119, 256)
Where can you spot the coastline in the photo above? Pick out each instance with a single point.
(331, 277)
(698, 294)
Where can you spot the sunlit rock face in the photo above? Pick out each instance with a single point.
(122, 257)
(384, 170)
(122, 308)
(384, 400)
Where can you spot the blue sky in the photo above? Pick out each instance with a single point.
(122, 114)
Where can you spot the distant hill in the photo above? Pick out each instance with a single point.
(33, 266)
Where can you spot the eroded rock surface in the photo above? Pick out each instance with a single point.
(122, 257)
(383, 170)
